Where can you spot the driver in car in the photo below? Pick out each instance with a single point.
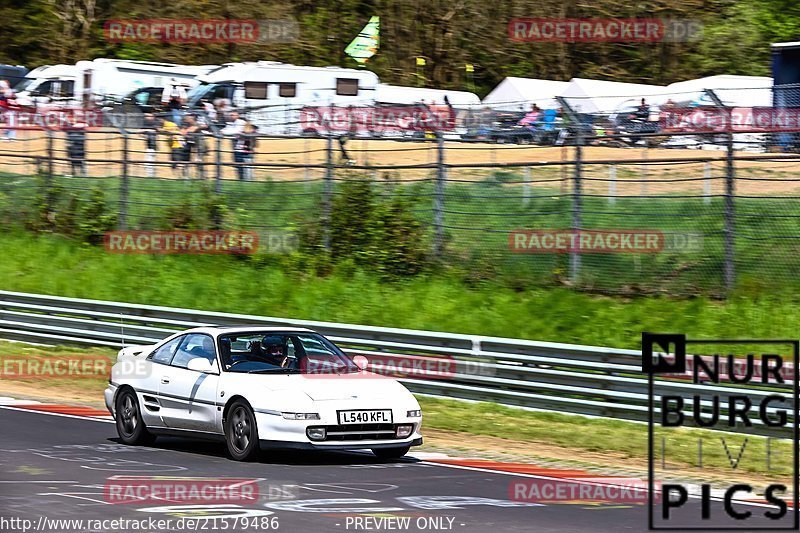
(274, 350)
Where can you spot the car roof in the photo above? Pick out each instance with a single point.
(223, 330)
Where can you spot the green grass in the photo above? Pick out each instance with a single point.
(55, 265)
(478, 218)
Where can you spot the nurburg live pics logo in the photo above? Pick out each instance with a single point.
(751, 393)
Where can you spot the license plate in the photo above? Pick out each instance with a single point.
(370, 416)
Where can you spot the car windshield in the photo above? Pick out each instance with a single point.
(265, 352)
(24, 84)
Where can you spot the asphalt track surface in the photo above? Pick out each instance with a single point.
(55, 467)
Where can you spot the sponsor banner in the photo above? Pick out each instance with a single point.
(380, 120)
(636, 30)
(52, 118)
(738, 119)
(585, 490)
(31, 366)
(181, 242)
(200, 30)
(164, 489)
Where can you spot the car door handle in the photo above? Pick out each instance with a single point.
(164, 379)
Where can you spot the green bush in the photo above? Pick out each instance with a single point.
(366, 230)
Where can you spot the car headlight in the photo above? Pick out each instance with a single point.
(300, 416)
(416, 413)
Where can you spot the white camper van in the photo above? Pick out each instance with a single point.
(98, 81)
(273, 94)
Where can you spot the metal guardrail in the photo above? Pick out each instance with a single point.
(576, 379)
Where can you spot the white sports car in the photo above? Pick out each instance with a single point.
(259, 386)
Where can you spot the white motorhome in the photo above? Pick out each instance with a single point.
(273, 94)
(98, 81)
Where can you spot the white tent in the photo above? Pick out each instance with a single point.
(518, 94)
(737, 91)
(396, 94)
(597, 96)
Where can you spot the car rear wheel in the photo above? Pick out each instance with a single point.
(241, 433)
(391, 453)
(130, 426)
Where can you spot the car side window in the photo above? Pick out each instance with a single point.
(164, 354)
(193, 346)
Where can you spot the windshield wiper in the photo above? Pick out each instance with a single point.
(274, 371)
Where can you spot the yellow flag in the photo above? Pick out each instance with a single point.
(469, 68)
(420, 61)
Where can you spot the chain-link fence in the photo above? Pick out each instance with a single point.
(610, 213)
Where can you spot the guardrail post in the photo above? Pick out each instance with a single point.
(438, 198)
(327, 194)
(123, 185)
(577, 197)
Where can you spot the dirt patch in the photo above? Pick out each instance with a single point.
(104, 150)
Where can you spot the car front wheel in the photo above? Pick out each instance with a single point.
(391, 453)
(241, 433)
(130, 426)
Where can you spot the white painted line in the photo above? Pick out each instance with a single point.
(95, 419)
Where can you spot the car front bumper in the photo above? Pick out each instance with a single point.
(276, 431)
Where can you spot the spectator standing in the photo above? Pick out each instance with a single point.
(244, 151)
(151, 144)
(76, 148)
(352, 131)
(7, 105)
(193, 130)
(173, 97)
(177, 145)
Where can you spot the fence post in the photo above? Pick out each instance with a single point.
(730, 216)
(327, 194)
(438, 198)
(50, 155)
(729, 232)
(577, 197)
(526, 187)
(612, 184)
(123, 185)
(218, 165)
(707, 183)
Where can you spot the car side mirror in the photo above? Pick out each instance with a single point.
(201, 364)
(361, 362)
